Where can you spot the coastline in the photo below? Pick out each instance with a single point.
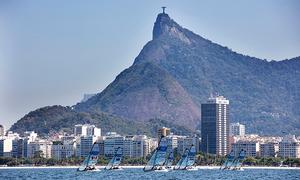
(139, 167)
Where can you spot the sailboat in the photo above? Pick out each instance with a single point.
(191, 159)
(187, 160)
(91, 160)
(232, 162)
(170, 159)
(237, 163)
(229, 161)
(158, 158)
(115, 161)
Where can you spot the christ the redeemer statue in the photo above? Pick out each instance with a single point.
(164, 9)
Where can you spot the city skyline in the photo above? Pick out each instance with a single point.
(42, 55)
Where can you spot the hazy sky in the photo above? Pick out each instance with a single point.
(52, 52)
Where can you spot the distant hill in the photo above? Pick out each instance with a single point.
(177, 71)
(59, 118)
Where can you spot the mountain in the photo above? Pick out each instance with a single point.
(177, 71)
(52, 119)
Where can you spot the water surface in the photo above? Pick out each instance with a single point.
(137, 173)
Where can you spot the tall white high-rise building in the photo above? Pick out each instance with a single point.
(6, 147)
(215, 126)
(86, 130)
(237, 129)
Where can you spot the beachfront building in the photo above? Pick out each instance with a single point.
(61, 150)
(251, 148)
(184, 142)
(269, 149)
(39, 147)
(289, 147)
(172, 141)
(215, 126)
(5, 147)
(85, 144)
(136, 146)
(112, 142)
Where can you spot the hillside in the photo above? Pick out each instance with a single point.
(59, 118)
(262, 94)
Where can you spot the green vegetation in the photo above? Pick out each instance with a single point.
(202, 159)
(54, 119)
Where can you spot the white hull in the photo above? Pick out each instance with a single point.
(192, 169)
(162, 170)
(91, 170)
(116, 169)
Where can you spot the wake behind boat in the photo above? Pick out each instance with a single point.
(91, 160)
(158, 158)
(115, 161)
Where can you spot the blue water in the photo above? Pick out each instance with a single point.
(132, 174)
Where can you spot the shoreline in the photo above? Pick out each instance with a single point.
(139, 167)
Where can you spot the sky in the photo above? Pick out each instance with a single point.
(52, 52)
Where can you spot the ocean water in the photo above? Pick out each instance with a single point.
(137, 173)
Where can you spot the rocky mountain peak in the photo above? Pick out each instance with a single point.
(165, 26)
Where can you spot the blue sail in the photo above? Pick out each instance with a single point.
(116, 160)
(91, 160)
(238, 161)
(158, 158)
(181, 163)
(170, 159)
(191, 158)
(187, 159)
(229, 161)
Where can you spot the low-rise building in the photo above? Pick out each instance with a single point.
(85, 145)
(41, 147)
(184, 142)
(136, 146)
(269, 149)
(251, 148)
(112, 142)
(61, 150)
(289, 147)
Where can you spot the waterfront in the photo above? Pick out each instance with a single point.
(137, 173)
